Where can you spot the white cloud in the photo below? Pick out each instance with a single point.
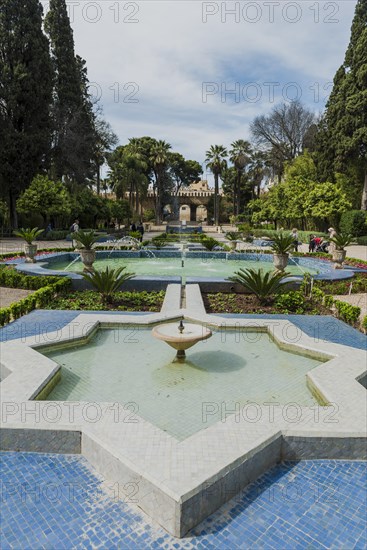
(170, 52)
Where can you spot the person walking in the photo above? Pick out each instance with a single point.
(294, 235)
(140, 228)
(74, 229)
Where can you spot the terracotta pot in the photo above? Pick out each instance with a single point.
(339, 257)
(30, 251)
(88, 258)
(280, 261)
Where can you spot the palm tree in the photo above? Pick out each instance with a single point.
(240, 155)
(159, 159)
(258, 170)
(216, 162)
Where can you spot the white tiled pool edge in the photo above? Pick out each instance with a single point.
(180, 483)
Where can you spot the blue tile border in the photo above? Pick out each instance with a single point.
(53, 501)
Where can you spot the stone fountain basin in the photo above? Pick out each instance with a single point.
(191, 335)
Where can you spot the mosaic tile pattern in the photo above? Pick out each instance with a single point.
(53, 501)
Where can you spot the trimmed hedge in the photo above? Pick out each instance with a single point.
(354, 222)
(362, 240)
(38, 299)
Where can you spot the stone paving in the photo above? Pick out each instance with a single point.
(10, 295)
(53, 501)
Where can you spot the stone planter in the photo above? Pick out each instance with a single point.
(280, 261)
(233, 245)
(338, 258)
(88, 258)
(30, 250)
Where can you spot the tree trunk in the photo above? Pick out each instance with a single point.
(216, 199)
(13, 211)
(238, 194)
(98, 179)
(158, 204)
(364, 194)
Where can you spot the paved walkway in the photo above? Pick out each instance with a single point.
(10, 295)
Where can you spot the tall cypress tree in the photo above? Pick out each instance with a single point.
(74, 135)
(25, 97)
(343, 136)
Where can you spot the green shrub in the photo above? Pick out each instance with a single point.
(362, 240)
(107, 282)
(347, 312)
(317, 295)
(291, 302)
(364, 323)
(40, 298)
(263, 285)
(209, 243)
(57, 235)
(354, 222)
(328, 301)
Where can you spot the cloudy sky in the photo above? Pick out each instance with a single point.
(196, 73)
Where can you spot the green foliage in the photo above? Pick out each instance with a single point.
(233, 235)
(347, 312)
(343, 132)
(38, 299)
(123, 301)
(317, 295)
(364, 323)
(328, 301)
(341, 240)
(28, 234)
(25, 97)
(291, 302)
(107, 282)
(354, 222)
(216, 161)
(74, 122)
(57, 235)
(209, 243)
(11, 278)
(85, 239)
(135, 235)
(362, 240)
(282, 243)
(45, 197)
(148, 215)
(263, 285)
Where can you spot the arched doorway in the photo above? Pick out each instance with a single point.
(201, 213)
(185, 213)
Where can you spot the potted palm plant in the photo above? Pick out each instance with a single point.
(233, 237)
(340, 241)
(29, 235)
(281, 245)
(85, 242)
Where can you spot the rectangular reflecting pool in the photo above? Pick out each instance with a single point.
(231, 369)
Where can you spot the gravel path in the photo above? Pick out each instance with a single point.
(10, 295)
